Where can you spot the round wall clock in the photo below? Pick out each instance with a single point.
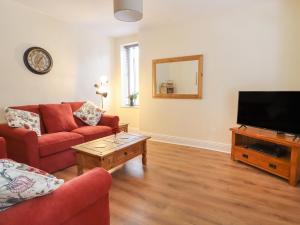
(38, 60)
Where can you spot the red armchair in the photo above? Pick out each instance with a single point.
(52, 151)
(83, 200)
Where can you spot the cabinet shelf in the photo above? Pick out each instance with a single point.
(282, 159)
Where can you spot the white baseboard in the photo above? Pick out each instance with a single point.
(204, 144)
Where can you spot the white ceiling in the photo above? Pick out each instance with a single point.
(99, 13)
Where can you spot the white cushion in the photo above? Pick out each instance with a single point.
(23, 119)
(89, 113)
(20, 182)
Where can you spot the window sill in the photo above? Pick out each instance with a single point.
(130, 107)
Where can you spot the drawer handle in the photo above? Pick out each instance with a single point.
(245, 156)
(125, 153)
(272, 166)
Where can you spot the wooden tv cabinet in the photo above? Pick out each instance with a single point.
(287, 167)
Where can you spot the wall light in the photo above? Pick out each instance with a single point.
(101, 88)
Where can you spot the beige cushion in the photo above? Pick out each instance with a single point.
(23, 119)
(89, 113)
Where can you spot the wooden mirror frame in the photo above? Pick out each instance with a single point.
(198, 58)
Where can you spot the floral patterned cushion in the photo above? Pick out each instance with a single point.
(20, 182)
(23, 119)
(89, 113)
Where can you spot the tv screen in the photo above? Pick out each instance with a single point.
(278, 111)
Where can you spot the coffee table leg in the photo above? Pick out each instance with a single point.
(144, 155)
(79, 164)
(79, 169)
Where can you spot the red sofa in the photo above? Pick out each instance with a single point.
(83, 200)
(2, 148)
(52, 151)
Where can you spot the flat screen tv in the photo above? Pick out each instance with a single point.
(278, 111)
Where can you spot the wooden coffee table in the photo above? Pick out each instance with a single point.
(110, 151)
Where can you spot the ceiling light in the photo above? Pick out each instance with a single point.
(128, 10)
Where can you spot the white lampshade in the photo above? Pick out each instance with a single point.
(128, 10)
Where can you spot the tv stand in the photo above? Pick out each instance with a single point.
(295, 137)
(285, 165)
(240, 127)
(280, 133)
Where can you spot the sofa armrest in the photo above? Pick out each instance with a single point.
(2, 148)
(22, 144)
(110, 121)
(64, 203)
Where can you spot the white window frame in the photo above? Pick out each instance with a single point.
(129, 75)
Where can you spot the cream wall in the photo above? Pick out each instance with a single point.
(252, 47)
(126, 114)
(80, 58)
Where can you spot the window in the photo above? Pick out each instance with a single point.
(130, 72)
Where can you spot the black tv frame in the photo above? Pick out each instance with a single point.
(279, 132)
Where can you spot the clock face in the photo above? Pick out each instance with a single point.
(38, 60)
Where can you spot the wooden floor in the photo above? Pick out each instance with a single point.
(187, 186)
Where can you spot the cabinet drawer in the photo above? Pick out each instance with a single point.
(246, 156)
(277, 168)
(263, 161)
(125, 154)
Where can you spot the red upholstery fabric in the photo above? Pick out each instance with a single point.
(57, 142)
(83, 200)
(34, 109)
(75, 106)
(58, 117)
(92, 213)
(106, 120)
(58, 161)
(2, 148)
(93, 132)
(22, 145)
(110, 121)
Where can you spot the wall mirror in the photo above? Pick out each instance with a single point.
(179, 77)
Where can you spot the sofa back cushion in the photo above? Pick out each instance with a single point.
(34, 109)
(75, 106)
(58, 117)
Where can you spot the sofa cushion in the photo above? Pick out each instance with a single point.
(20, 182)
(23, 119)
(75, 106)
(58, 117)
(57, 142)
(34, 109)
(89, 113)
(93, 132)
